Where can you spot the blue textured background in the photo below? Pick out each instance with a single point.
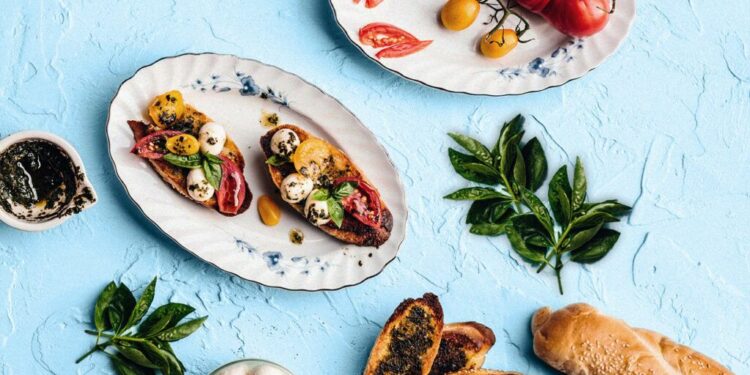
(663, 125)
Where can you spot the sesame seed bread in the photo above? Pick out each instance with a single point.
(579, 340)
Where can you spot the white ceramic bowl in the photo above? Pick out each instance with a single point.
(249, 364)
(84, 183)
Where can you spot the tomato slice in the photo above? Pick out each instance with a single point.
(403, 49)
(363, 204)
(153, 146)
(232, 189)
(381, 34)
(372, 3)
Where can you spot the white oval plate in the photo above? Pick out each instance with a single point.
(452, 62)
(233, 91)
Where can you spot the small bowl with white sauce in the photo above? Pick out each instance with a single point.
(42, 181)
(251, 367)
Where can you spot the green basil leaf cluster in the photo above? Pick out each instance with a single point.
(277, 160)
(570, 229)
(138, 345)
(211, 165)
(333, 199)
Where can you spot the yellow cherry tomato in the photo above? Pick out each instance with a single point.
(499, 43)
(312, 157)
(459, 14)
(269, 211)
(167, 109)
(183, 144)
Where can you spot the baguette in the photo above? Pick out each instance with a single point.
(351, 231)
(485, 372)
(409, 342)
(578, 340)
(463, 346)
(176, 177)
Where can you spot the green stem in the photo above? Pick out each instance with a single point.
(93, 350)
(558, 268)
(116, 337)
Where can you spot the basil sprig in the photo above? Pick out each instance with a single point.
(144, 348)
(574, 229)
(211, 165)
(277, 160)
(190, 162)
(333, 199)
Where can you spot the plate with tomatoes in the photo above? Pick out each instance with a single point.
(487, 47)
(188, 106)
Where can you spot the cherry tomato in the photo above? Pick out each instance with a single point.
(403, 49)
(268, 210)
(578, 18)
(167, 109)
(232, 189)
(363, 204)
(459, 14)
(183, 144)
(312, 157)
(499, 43)
(153, 146)
(380, 35)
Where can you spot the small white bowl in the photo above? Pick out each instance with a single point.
(84, 183)
(250, 364)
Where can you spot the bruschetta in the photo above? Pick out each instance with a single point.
(409, 342)
(192, 154)
(485, 372)
(320, 182)
(463, 346)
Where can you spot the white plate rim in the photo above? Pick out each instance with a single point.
(176, 242)
(605, 57)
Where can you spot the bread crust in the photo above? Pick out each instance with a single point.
(579, 340)
(351, 231)
(176, 177)
(485, 372)
(463, 346)
(386, 357)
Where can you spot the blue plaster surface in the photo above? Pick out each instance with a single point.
(663, 125)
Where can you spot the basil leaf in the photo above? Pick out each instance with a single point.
(579, 187)
(166, 316)
(181, 331)
(123, 366)
(475, 194)
(156, 356)
(212, 172)
(459, 162)
(611, 207)
(537, 207)
(580, 238)
(121, 307)
(213, 158)
(529, 254)
(597, 248)
(519, 169)
(483, 169)
(531, 230)
(134, 354)
(488, 229)
(101, 321)
(593, 218)
(276, 160)
(475, 147)
(320, 195)
(344, 190)
(176, 365)
(536, 164)
(336, 212)
(538, 240)
(192, 161)
(559, 196)
(491, 211)
(509, 130)
(508, 156)
(144, 302)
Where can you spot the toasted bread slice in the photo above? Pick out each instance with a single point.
(485, 372)
(176, 177)
(462, 347)
(351, 231)
(409, 342)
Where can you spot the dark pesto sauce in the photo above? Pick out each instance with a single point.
(409, 341)
(36, 174)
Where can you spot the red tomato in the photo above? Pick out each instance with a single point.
(363, 204)
(232, 189)
(578, 18)
(153, 146)
(370, 3)
(380, 34)
(403, 49)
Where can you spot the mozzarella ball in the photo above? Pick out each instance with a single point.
(212, 137)
(317, 211)
(284, 142)
(198, 187)
(295, 188)
(267, 370)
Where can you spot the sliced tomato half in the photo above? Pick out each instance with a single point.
(153, 146)
(363, 204)
(403, 49)
(381, 34)
(232, 189)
